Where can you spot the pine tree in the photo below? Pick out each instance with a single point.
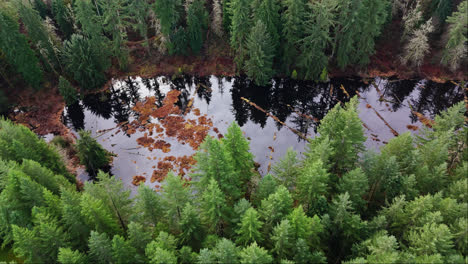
(240, 28)
(197, 24)
(17, 52)
(100, 248)
(293, 30)
(67, 91)
(249, 228)
(213, 207)
(238, 148)
(91, 154)
(115, 23)
(317, 38)
(168, 14)
(255, 254)
(260, 50)
(455, 49)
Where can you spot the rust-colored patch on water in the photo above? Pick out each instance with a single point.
(160, 123)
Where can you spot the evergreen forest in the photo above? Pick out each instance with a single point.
(338, 202)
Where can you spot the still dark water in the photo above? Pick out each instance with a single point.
(298, 104)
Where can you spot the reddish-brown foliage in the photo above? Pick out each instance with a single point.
(137, 180)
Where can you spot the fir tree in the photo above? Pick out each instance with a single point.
(91, 154)
(214, 161)
(139, 10)
(17, 52)
(41, 38)
(238, 148)
(268, 12)
(100, 248)
(293, 30)
(226, 252)
(249, 228)
(276, 207)
(69, 256)
(83, 61)
(168, 14)
(255, 254)
(114, 195)
(260, 50)
(115, 23)
(67, 91)
(148, 206)
(345, 134)
(286, 170)
(312, 185)
(175, 196)
(98, 216)
(72, 219)
(191, 226)
(197, 24)
(282, 240)
(122, 251)
(213, 206)
(240, 28)
(63, 14)
(317, 39)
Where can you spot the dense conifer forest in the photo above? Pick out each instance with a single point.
(337, 202)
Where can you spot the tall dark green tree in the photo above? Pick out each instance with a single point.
(116, 16)
(139, 10)
(84, 62)
(260, 50)
(91, 154)
(197, 24)
(42, 39)
(268, 11)
(63, 15)
(293, 19)
(17, 52)
(317, 41)
(168, 13)
(240, 28)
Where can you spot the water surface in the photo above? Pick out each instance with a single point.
(297, 105)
